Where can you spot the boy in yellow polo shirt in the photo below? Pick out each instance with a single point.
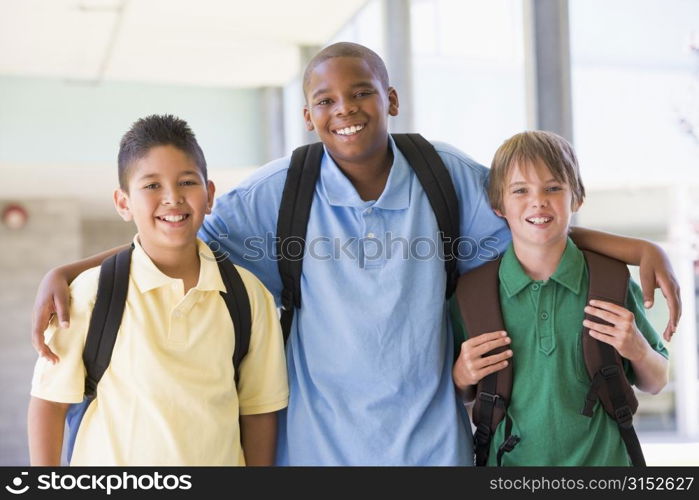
(169, 395)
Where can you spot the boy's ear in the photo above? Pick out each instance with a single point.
(392, 101)
(499, 213)
(576, 206)
(307, 118)
(121, 203)
(210, 191)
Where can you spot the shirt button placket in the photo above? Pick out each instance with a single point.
(373, 253)
(545, 327)
(175, 326)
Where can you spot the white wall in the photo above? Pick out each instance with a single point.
(60, 139)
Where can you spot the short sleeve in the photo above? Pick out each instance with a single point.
(64, 382)
(243, 224)
(262, 386)
(483, 235)
(634, 303)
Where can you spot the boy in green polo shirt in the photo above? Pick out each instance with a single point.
(543, 285)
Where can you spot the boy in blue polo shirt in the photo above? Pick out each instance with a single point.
(370, 352)
(543, 285)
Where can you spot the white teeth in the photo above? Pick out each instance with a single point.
(173, 218)
(540, 220)
(349, 130)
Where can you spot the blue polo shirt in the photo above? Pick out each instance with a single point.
(370, 352)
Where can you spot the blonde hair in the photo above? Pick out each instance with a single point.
(531, 146)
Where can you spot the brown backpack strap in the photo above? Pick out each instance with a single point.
(609, 279)
(478, 297)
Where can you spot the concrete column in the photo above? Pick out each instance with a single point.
(398, 58)
(51, 237)
(686, 366)
(272, 123)
(547, 53)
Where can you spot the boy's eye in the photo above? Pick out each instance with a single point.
(153, 185)
(189, 183)
(323, 102)
(554, 188)
(519, 191)
(363, 93)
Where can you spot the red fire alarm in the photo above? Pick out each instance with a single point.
(14, 216)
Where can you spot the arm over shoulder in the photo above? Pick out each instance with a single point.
(484, 235)
(634, 303)
(64, 382)
(243, 223)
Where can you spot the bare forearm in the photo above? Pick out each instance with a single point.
(463, 387)
(622, 248)
(45, 422)
(258, 434)
(53, 297)
(72, 270)
(651, 372)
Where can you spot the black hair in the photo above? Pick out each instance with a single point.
(347, 49)
(157, 130)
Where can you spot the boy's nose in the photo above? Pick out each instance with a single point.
(345, 107)
(540, 201)
(172, 198)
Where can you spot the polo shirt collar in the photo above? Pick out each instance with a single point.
(147, 276)
(511, 274)
(569, 272)
(339, 191)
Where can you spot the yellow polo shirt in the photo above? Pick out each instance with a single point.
(168, 396)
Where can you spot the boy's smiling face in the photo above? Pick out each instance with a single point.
(167, 198)
(537, 207)
(348, 106)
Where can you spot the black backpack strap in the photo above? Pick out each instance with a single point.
(238, 304)
(294, 211)
(609, 280)
(510, 441)
(105, 321)
(439, 187)
(478, 297)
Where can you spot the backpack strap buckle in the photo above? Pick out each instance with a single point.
(509, 444)
(486, 397)
(590, 400)
(511, 440)
(610, 371)
(623, 416)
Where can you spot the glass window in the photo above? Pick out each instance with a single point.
(468, 72)
(634, 87)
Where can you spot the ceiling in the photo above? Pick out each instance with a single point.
(233, 43)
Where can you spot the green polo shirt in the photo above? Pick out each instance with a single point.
(544, 320)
